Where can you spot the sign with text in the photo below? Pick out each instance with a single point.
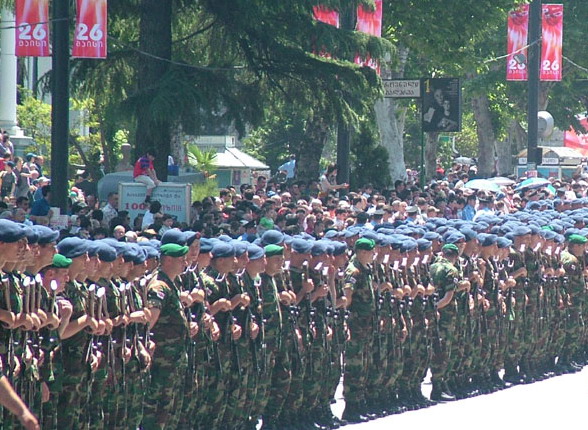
(91, 30)
(441, 105)
(174, 198)
(552, 41)
(402, 88)
(32, 28)
(516, 45)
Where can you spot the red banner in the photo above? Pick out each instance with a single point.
(91, 30)
(369, 22)
(328, 16)
(551, 49)
(32, 28)
(518, 28)
(576, 140)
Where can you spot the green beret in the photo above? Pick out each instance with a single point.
(576, 239)
(61, 261)
(365, 244)
(173, 250)
(273, 250)
(450, 247)
(547, 227)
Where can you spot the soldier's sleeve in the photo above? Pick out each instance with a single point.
(157, 293)
(351, 278)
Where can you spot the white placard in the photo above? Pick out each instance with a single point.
(174, 198)
(402, 88)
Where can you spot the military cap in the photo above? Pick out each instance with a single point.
(365, 244)
(255, 252)
(521, 231)
(273, 250)
(533, 206)
(424, 244)
(174, 235)
(339, 248)
(72, 247)
(469, 234)
(331, 234)
(46, 235)
(222, 249)
(576, 239)
(454, 237)
(351, 232)
(225, 238)
(61, 262)
(549, 234)
(487, 239)
(240, 247)
(408, 245)
(450, 247)
(206, 245)
(503, 242)
(10, 231)
(150, 250)
(191, 237)
(288, 239)
(140, 255)
(431, 235)
(369, 234)
(173, 250)
(301, 246)
(386, 231)
(30, 234)
(104, 251)
(318, 248)
(559, 238)
(272, 237)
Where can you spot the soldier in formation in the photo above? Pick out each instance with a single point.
(215, 333)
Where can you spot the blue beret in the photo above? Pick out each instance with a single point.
(10, 231)
(328, 244)
(46, 235)
(534, 229)
(521, 230)
(72, 247)
(151, 251)
(408, 245)
(225, 238)
(174, 235)
(468, 233)
(431, 235)
(191, 237)
(222, 250)
(350, 232)
(301, 246)
(487, 239)
(129, 252)
(205, 245)
(369, 234)
(104, 251)
(339, 248)
(318, 248)
(288, 239)
(549, 235)
(424, 244)
(30, 234)
(559, 238)
(503, 242)
(454, 237)
(272, 237)
(119, 247)
(331, 234)
(240, 247)
(396, 241)
(140, 254)
(533, 205)
(255, 252)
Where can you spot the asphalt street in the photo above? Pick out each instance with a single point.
(556, 403)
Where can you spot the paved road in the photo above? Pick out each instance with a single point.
(558, 403)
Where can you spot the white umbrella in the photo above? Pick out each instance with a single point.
(502, 181)
(483, 184)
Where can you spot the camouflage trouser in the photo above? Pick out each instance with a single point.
(358, 365)
(379, 363)
(235, 403)
(442, 358)
(299, 369)
(574, 329)
(280, 384)
(163, 401)
(75, 390)
(137, 379)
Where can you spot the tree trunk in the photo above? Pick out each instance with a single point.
(391, 137)
(310, 150)
(504, 154)
(431, 144)
(155, 37)
(486, 136)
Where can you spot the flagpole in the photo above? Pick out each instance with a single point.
(534, 63)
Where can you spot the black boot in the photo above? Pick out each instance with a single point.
(439, 394)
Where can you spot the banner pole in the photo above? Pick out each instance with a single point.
(534, 64)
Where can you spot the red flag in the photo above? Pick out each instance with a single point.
(575, 140)
(518, 28)
(32, 28)
(328, 16)
(551, 50)
(91, 30)
(369, 22)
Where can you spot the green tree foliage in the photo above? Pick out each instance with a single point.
(369, 159)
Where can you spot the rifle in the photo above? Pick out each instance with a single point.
(8, 300)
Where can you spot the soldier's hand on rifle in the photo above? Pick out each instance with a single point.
(15, 366)
(37, 324)
(198, 295)
(126, 353)
(329, 333)
(285, 298)
(463, 285)
(9, 319)
(42, 315)
(95, 361)
(194, 328)
(28, 354)
(245, 300)
(144, 357)
(24, 320)
(28, 420)
(307, 286)
(92, 324)
(382, 324)
(236, 331)
(215, 331)
(520, 272)
(298, 334)
(151, 347)
(341, 302)
(65, 309)
(347, 332)
(186, 299)
(253, 330)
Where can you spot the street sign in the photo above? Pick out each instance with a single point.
(402, 88)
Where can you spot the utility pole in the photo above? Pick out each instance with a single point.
(533, 66)
(60, 105)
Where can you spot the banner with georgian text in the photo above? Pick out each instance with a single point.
(326, 15)
(551, 48)
(32, 28)
(516, 45)
(91, 30)
(370, 22)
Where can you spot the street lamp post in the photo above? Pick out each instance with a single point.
(533, 65)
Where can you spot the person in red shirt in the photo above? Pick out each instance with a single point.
(144, 173)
